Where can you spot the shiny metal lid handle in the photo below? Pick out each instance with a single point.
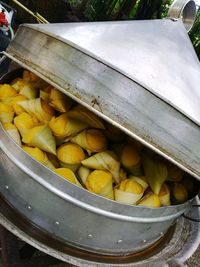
(185, 10)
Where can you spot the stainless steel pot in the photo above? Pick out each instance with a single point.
(75, 215)
(81, 61)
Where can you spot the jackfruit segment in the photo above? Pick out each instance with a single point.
(83, 173)
(155, 172)
(128, 192)
(29, 76)
(38, 108)
(54, 160)
(7, 100)
(60, 101)
(68, 175)
(175, 174)
(17, 108)
(6, 113)
(150, 200)
(100, 182)
(28, 90)
(24, 122)
(83, 115)
(179, 193)
(105, 160)
(39, 155)
(45, 96)
(131, 160)
(17, 84)
(62, 126)
(41, 137)
(164, 195)
(140, 181)
(11, 129)
(70, 153)
(91, 139)
(122, 174)
(6, 91)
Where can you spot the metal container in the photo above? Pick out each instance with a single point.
(117, 70)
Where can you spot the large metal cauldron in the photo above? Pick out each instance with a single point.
(72, 214)
(117, 89)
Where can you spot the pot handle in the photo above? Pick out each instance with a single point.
(185, 10)
(190, 218)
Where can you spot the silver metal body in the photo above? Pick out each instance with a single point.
(88, 62)
(176, 251)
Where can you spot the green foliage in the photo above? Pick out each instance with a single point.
(195, 34)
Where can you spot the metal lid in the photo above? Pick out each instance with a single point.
(142, 76)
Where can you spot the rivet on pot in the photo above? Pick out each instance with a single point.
(6, 186)
(119, 241)
(144, 241)
(29, 208)
(89, 235)
(57, 223)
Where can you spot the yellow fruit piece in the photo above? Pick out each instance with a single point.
(28, 89)
(130, 156)
(29, 76)
(128, 192)
(38, 108)
(155, 172)
(17, 109)
(39, 155)
(5, 108)
(83, 173)
(17, 84)
(164, 195)
(100, 182)
(91, 139)
(131, 186)
(180, 194)
(41, 137)
(54, 160)
(70, 155)
(24, 122)
(13, 132)
(62, 126)
(84, 115)
(150, 200)
(68, 175)
(6, 91)
(35, 152)
(60, 101)
(140, 180)
(131, 160)
(44, 96)
(6, 113)
(122, 174)
(105, 160)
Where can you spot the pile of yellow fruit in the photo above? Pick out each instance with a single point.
(77, 145)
